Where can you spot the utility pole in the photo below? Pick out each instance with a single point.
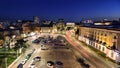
(6, 62)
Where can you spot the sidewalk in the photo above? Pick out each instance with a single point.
(10, 66)
(18, 60)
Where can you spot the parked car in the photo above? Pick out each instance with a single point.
(37, 58)
(59, 63)
(36, 41)
(32, 66)
(23, 61)
(31, 52)
(20, 65)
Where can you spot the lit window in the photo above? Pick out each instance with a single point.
(115, 37)
(105, 34)
(103, 49)
(99, 47)
(112, 54)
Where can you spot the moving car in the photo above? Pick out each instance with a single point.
(50, 64)
(37, 58)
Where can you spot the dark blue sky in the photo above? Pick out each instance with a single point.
(54, 9)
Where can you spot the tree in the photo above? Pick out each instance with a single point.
(77, 32)
(7, 42)
(20, 44)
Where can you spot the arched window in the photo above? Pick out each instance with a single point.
(103, 49)
(115, 37)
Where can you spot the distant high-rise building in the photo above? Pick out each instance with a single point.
(5, 23)
(105, 19)
(87, 21)
(36, 19)
(1, 26)
(19, 21)
(61, 20)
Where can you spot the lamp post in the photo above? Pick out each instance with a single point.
(17, 53)
(5, 58)
(6, 62)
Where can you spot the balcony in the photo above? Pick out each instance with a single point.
(100, 42)
(97, 41)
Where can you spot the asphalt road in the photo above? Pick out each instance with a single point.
(94, 60)
(54, 53)
(67, 54)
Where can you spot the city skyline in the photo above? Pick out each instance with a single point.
(55, 9)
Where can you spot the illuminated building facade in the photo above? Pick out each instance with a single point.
(28, 27)
(36, 19)
(105, 40)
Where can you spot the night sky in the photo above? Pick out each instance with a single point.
(54, 9)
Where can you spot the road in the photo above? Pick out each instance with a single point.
(67, 54)
(89, 55)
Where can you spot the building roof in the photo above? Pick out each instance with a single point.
(47, 24)
(1, 30)
(104, 24)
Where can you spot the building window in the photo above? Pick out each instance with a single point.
(114, 45)
(96, 45)
(115, 37)
(104, 43)
(101, 33)
(105, 39)
(98, 33)
(99, 47)
(105, 34)
(100, 42)
(97, 41)
(95, 33)
(103, 49)
(112, 54)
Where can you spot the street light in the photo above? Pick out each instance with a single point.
(6, 62)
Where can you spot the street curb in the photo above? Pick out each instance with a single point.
(14, 62)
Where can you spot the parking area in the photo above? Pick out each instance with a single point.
(55, 51)
(52, 53)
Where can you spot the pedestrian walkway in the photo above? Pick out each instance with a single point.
(19, 59)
